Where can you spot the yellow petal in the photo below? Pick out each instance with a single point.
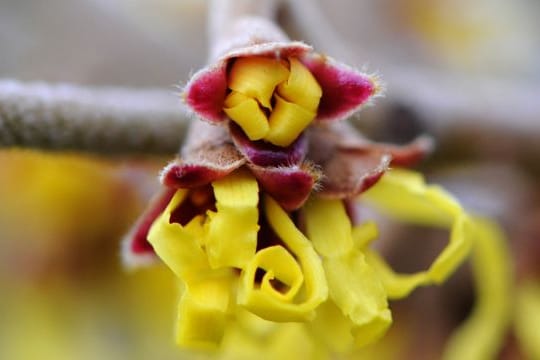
(332, 328)
(204, 309)
(247, 114)
(257, 77)
(301, 87)
(283, 277)
(287, 121)
(357, 290)
(482, 335)
(232, 230)
(364, 234)
(178, 246)
(528, 317)
(404, 195)
(353, 285)
(397, 285)
(328, 227)
(268, 304)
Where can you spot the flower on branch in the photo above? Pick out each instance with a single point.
(273, 88)
(257, 212)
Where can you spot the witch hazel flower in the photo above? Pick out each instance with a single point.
(236, 249)
(238, 246)
(257, 216)
(274, 88)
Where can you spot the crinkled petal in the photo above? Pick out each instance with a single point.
(356, 289)
(332, 328)
(404, 195)
(232, 229)
(289, 186)
(265, 154)
(204, 310)
(284, 306)
(136, 250)
(353, 285)
(179, 246)
(482, 334)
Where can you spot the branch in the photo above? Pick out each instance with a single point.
(222, 16)
(100, 120)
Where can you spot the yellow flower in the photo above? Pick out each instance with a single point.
(272, 99)
(293, 283)
(353, 284)
(282, 282)
(312, 267)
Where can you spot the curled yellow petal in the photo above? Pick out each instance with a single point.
(482, 334)
(256, 77)
(301, 87)
(280, 283)
(353, 285)
(271, 99)
(247, 114)
(283, 277)
(179, 246)
(204, 309)
(527, 318)
(287, 121)
(404, 195)
(264, 300)
(232, 229)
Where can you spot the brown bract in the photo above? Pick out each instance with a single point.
(351, 163)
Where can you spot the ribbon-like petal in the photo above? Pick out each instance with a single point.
(232, 229)
(354, 286)
(204, 309)
(285, 300)
(481, 335)
(404, 195)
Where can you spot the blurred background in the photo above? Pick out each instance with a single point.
(466, 72)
